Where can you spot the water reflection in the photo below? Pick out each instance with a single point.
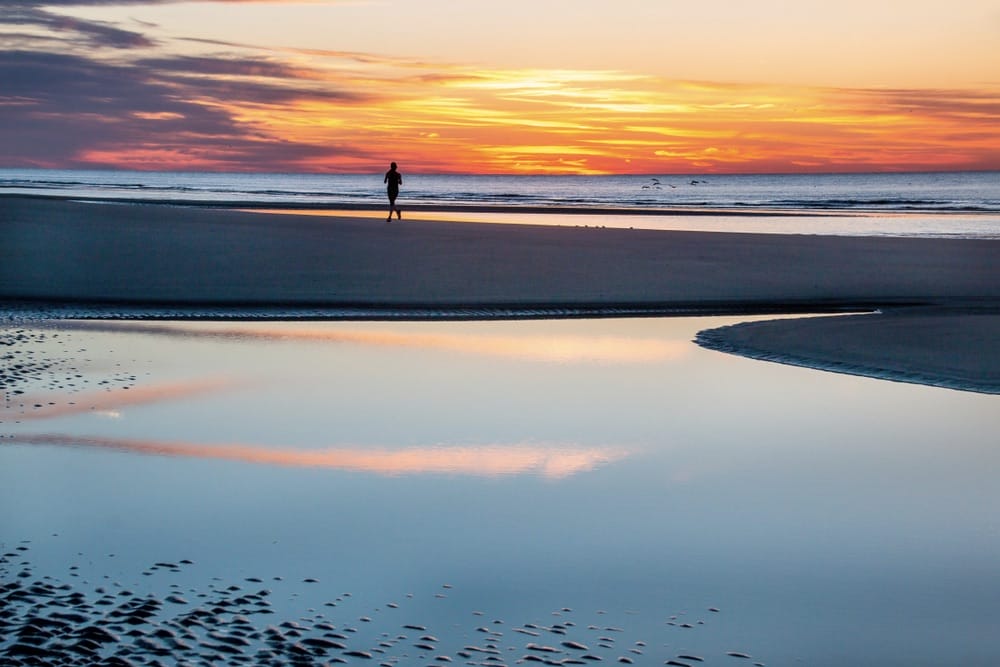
(549, 348)
(107, 402)
(552, 462)
(832, 519)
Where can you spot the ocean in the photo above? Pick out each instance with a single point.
(944, 204)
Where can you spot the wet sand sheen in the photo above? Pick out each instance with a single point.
(92, 253)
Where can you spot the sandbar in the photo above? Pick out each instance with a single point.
(940, 347)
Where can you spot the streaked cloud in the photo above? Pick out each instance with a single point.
(549, 461)
(95, 33)
(72, 110)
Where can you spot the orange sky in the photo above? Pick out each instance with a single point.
(514, 87)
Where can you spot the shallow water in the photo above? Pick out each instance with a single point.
(469, 478)
(813, 222)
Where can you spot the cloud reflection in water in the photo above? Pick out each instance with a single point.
(109, 402)
(552, 462)
(547, 348)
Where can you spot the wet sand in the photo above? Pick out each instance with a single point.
(938, 347)
(152, 260)
(69, 620)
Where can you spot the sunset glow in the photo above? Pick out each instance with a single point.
(152, 87)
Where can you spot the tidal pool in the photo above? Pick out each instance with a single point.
(486, 493)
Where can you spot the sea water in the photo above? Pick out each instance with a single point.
(478, 492)
(965, 204)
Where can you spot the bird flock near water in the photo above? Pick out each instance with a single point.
(655, 184)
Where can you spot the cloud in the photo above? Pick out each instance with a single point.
(66, 103)
(63, 82)
(60, 108)
(229, 66)
(84, 93)
(53, 105)
(96, 33)
(965, 105)
(69, 98)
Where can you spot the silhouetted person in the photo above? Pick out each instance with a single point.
(394, 179)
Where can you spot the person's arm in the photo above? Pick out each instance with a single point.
(386, 179)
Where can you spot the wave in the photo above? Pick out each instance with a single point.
(904, 193)
(885, 203)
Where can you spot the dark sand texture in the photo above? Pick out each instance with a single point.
(58, 250)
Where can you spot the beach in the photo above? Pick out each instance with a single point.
(152, 260)
(245, 437)
(680, 344)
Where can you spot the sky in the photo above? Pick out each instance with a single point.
(518, 86)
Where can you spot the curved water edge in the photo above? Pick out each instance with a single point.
(898, 363)
(895, 362)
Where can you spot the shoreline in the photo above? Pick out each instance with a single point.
(67, 259)
(436, 207)
(677, 210)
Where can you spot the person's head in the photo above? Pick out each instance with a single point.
(392, 166)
